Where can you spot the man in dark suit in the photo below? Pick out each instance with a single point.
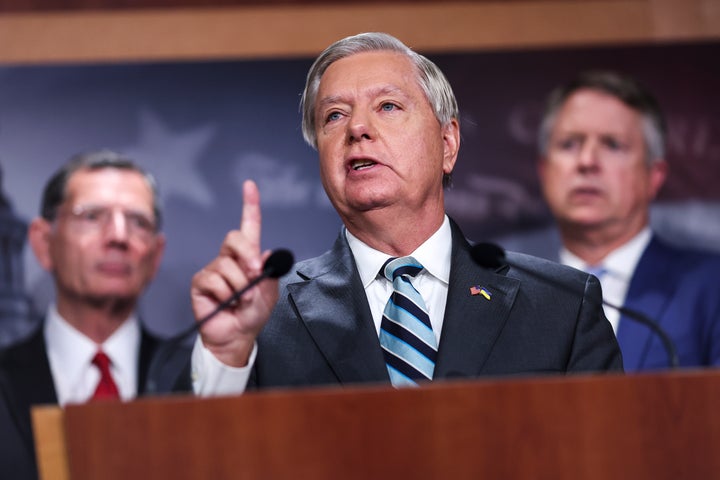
(602, 148)
(385, 123)
(99, 236)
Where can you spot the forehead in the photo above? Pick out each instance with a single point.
(369, 70)
(109, 186)
(594, 110)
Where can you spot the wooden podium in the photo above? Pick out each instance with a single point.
(585, 427)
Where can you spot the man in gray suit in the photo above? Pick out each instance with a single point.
(384, 120)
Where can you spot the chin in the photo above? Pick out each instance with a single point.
(367, 207)
(115, 292)
(370, 201)
(586, 223)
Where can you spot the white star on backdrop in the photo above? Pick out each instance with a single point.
(172, 157)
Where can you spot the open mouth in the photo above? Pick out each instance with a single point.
(358, 165)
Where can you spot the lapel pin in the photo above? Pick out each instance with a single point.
(478, 290)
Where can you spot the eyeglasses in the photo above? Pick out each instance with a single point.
(92, 218)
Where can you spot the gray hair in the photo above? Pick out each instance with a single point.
(436, 87)
(622, 87)
(55, 191)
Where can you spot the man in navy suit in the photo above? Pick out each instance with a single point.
(385, 123)
(99, 236)
(602, 148)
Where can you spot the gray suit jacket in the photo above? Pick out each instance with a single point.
(321, 331)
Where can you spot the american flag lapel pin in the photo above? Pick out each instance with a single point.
(478, 290)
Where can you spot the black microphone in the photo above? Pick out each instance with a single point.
(277, 264)
(492, 256)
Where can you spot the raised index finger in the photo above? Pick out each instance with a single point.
(251, 221)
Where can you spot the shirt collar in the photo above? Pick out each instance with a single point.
(434, 254)
(621, 261)
(67, 348)
(73, 351)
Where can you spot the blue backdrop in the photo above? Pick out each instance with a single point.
(204, 127)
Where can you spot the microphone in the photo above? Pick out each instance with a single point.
(277, 264)
(492, 256)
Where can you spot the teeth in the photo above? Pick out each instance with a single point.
(358, 164)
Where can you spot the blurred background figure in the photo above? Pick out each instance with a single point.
(602, 163)
(98, 234)
(14, 303)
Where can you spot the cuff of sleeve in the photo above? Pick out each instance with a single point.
(211, 377)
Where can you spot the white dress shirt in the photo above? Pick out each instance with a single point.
(432, 282)
(619, 267)
(212, 377)
(70, 354)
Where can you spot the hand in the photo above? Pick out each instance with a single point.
(230, 335)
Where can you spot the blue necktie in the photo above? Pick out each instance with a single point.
(406, 335)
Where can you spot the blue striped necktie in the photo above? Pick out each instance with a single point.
(406, 335)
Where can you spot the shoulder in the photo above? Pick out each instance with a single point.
(26, 369)
(679, 257)
(29, 350)
(339, 256)
(543, 265)
(547, 276)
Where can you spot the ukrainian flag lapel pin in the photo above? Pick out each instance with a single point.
(479, 290)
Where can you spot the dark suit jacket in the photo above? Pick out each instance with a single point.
(26, 380)
(680, 290)
(321, 331)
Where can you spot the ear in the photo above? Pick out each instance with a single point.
(658, 174)
(159, 251)
(39, 233)
(541, 166)
(451, 143)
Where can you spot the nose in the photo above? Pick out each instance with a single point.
(117, 226)
(359, 128)
(588, 158)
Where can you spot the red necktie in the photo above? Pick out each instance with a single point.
(106, 388)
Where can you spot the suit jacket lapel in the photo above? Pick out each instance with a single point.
(648, 293)
(472, 322)
(341, 325)
(35, 384)
(336, 313)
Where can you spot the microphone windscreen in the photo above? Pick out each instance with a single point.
(278, 263)
(488, 255)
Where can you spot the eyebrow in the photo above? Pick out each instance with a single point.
(95, 205)
(374, 92)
